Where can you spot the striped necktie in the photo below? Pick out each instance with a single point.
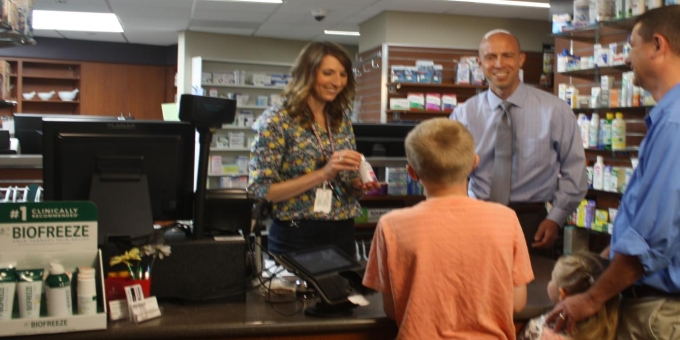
(502, 162)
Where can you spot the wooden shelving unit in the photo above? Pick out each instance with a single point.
(29, 75)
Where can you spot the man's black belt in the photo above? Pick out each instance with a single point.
(527, 207)
(646, 291)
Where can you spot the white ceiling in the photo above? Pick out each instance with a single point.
(156, 22)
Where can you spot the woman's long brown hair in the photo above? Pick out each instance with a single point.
(301, 87)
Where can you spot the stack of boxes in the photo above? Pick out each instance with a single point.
(5, 90)
(468, 71)
(425, 71)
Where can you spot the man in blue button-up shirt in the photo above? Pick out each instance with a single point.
(645, 247)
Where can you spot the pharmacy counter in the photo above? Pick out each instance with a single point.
(20, 170)
(257, 319)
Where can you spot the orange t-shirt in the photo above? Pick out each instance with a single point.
(450, 264)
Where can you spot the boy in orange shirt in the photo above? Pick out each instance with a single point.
(451, 267)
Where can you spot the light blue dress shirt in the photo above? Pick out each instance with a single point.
(547, 146)
(648, 222)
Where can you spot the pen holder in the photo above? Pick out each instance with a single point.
(115, 287)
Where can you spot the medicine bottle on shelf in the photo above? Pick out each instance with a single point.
(598, 174)
(619, 133)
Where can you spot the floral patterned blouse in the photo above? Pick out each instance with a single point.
(284, 150)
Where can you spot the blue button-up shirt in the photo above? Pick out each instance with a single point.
(547, 145)
(648, 222)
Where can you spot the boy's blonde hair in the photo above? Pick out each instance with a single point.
(575, 274)
(441, 151)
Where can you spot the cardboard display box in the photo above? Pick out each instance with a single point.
(35, 234)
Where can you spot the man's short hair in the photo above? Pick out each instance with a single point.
(663, 20)
(500, 31)
(441, 151)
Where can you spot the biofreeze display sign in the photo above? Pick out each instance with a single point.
(34, 234)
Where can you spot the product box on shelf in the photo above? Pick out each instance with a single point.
(260, 79)
(399, 104)
(433, 101)
(25, 17)
(374, 214)
(449, 101)
(4, 80)
(36, 237)
(416, 100)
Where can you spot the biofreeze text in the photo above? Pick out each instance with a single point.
(49, 231)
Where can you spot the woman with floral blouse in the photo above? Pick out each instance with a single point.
(303, 158)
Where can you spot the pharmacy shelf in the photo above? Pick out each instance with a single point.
(365, 225)
(626, 150)
(612, 109)
(392, 198)
(592, 32)
(253, 107)
(238, 128)
(600, 71)
(227, 175)
(230, 149)
(422, 112)
(443, 86)
(594, 192)
(258, 87)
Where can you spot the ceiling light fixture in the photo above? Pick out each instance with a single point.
(508, 3)
(341, 32)
(76, 21)
(260, 1)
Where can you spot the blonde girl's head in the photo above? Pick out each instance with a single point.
(574, 274)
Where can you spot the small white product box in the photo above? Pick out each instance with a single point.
(399, 104)
(449, 102)
(34, 234)
(433, 101)
(373, 215)
(215, 165)
(416, 101)
(262, 101)
(260, 79)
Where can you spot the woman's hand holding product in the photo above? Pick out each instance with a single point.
(342, 160)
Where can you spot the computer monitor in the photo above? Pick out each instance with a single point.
(135, 171)
(227, 211)
(28, 128)
(381, 140)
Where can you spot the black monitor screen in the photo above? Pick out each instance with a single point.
(130, 169)
(319, 261)
(28, 128)
(227, 211)
(381, 140)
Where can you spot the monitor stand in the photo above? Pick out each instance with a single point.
(123, 202)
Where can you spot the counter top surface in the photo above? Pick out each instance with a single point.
(20, 161)
(258, 318)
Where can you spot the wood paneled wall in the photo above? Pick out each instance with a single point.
(369, 88)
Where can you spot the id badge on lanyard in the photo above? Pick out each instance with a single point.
(324, 195)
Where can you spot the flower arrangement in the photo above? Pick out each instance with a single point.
(137, 271)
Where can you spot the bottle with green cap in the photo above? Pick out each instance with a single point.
(607, 133)
(58, 291)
